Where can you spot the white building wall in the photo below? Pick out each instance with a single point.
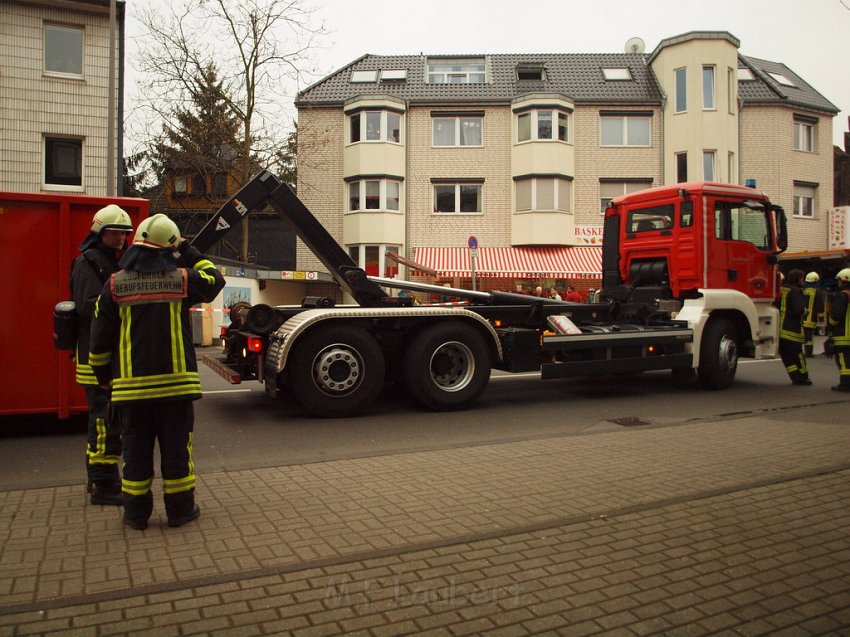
(34, 104)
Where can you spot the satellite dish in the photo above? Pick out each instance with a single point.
(635, 45)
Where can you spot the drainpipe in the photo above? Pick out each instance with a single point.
(111, 175)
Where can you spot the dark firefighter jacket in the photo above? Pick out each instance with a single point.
(141, 335)
(792, 309)
(839, 319)
(814, 306)
(88, 274)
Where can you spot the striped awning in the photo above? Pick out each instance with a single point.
(562, 262)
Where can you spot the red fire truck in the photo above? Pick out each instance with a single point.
(689, 281)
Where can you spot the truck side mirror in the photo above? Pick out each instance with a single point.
(781, 229)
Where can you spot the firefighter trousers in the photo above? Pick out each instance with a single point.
(103, 443)
(791, 353)
(809, 345)
(170, 424)
(842, 361)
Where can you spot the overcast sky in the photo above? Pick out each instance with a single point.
(808, 36)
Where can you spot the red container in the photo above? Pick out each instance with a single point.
(39, 239)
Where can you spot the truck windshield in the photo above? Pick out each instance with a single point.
(735, 221)
(654, 218)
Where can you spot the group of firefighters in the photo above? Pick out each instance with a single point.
(801, 306)
(135, 355)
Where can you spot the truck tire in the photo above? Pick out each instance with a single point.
(336, 371)
(718, 358)
(447, 367)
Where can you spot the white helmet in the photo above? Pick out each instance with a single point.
(843, 275)
(157, 232)
(111, 217)
(812, 277)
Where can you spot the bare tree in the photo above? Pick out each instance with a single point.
(261, 50)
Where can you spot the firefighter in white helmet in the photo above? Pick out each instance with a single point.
(839, 329)
(792, 309)
(814, 310)
(101, 249)
(141, 346)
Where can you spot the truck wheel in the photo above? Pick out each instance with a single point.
(336, 371)
(447, 366)
(718, 358)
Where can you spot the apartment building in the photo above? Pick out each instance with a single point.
(61, 87)
(422, 156)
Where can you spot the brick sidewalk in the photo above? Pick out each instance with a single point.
(737, 524)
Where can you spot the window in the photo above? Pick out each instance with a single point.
(651, 218)
(63, 162)
(782, 79)
(181, 186)
(539, 125)
(460, 71)
(730, 169)
(681, 83)
(732, 90)
(708, 103)
(393, 75)
(745, 74)
(618, 74)
(804, 200)
(610, 189)
(457, 131)
(686, 214)
(543, 193)
(364, 76)
(457, 197)
(220, 185)
(624, 130)
(63, 49)
(681, 167)
(373, 260)
(736, 222)
(530, 73)
(374, 194)
(199, 186)
(804, 136)
(375, 126)
(708, 169)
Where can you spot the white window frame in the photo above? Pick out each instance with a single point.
(57, 29)
(709, 88)
(626, 119)
(804, 136)
(458, 127)
(709, 165)
(534, 118)
(364, 77)
(47, 140)
(680, 89)
(535, 184)
(357, 252)
(617, 188)
(805, 197)
(458, 187)
(457, 71)
(732, 90)
(385, 186)
(383, 126)
(616, 74)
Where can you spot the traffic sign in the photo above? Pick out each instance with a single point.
(473, 243)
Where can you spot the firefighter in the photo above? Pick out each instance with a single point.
(839, 330)
(141, 345)
(101, 250)
(792, 310)
(814, 310)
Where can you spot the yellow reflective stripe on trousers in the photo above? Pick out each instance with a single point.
(98, 455)
(183, 484)
(125, 342)
(136, 487)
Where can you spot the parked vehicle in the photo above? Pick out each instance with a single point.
(689, 281)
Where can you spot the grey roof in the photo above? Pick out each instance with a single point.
(766, 90)
(577, 76)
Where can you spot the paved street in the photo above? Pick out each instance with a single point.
(733, 526)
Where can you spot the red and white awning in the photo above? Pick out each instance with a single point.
(562, 262)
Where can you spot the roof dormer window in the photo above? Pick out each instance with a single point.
(530, 73)
(457, 71)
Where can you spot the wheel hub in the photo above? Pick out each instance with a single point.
(452, 366)
(728, 355)
(337, 369)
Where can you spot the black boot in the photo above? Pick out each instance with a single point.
(103, 492)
